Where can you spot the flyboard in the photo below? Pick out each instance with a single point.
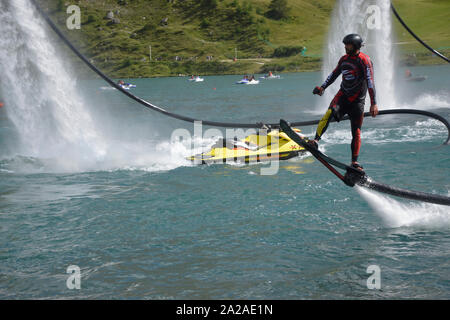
(354, 176)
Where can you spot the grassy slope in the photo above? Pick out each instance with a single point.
(123, 49)
(428, 19)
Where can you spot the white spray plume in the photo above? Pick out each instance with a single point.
(397, 214)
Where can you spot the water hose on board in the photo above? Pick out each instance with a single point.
(407, 194)
(207, 122)
(354, 176)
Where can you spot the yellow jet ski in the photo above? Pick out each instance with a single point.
(263, 146)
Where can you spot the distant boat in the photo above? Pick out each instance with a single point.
(417, 79)
(246, 81)
(409, 77)
(196, 79)
(127, 86)
(270, 77)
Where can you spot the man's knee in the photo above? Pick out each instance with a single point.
(336, 112)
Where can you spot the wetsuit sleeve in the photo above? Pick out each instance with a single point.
(370, 80)
(333, 75)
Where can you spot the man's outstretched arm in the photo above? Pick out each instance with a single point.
(333, 75)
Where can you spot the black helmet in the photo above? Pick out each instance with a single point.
(354, 39)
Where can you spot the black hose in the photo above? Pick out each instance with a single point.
(384, 112)
(130, 95)
(416, 37)
(408, 194)
(419, 112)
(354, 176)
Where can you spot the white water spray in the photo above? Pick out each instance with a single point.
(57, 132)
(40, 95)
(375, 27)
(396, 214)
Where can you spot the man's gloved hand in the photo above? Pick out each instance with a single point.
(318, 90)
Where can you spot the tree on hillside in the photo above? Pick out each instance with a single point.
(278, 9)
(209, 4)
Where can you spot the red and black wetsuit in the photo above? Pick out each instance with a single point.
(357, 79)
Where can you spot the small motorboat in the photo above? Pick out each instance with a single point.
(270, 77)
(409, 77)
(127, 86)
(196, 79)
(417, 78)
(246, 81)
(243, 81)
(260, 147)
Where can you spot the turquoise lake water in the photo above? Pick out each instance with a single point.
(141, 222)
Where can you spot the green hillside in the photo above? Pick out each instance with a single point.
(430, 20)
(204, 36)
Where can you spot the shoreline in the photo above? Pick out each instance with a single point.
(422, 63)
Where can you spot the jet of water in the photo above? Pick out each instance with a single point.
(40, 95)
(397, 214)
